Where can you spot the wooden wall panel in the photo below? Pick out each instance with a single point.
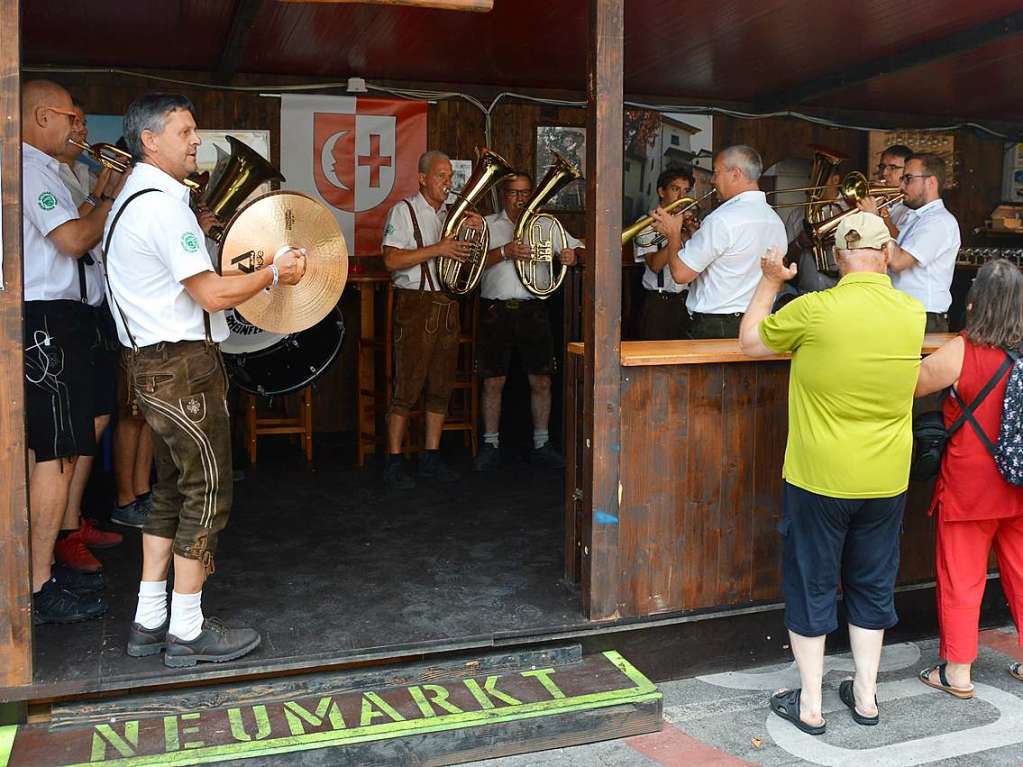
(15, 585)
(770, 428)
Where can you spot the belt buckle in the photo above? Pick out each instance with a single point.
(512, 303)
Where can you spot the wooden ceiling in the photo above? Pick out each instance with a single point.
(933, 57)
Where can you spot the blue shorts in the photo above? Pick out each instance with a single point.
(825, 539)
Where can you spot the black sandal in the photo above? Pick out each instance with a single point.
(959, 692)
(845, 692)
(786, 705)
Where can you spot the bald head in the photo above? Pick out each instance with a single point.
(41, 125)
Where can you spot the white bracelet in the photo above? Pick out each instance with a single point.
(277, 276)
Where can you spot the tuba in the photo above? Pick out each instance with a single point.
(460, 277)
(244, 171)
(537, 273)
(825, 162)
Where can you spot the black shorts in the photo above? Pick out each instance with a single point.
(106, 358)
(59, 379)
(855, 540)
(505, 325)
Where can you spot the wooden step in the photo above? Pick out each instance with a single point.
(425, 714)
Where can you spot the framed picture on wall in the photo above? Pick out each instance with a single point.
(570, 143)
(460, 172)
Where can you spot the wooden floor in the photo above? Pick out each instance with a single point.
(331, 568)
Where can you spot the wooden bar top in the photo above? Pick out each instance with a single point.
(713, 350)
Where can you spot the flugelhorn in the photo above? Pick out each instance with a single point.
(460, 277)
(119, 161)
(821, 230)
(643, 233)
(537, 273)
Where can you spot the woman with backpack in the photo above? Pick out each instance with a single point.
(976, 507)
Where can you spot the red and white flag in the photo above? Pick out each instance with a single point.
(356, 155)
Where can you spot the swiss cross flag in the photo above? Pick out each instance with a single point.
(357, 155)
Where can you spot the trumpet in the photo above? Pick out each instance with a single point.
(643, 233)
(119, 161)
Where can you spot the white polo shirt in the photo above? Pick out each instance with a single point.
(398, 233)
(501, 282)
(157, 244)
(726, 252)
(639, 253)
(931, 235)
(50, 275)
(78, 181)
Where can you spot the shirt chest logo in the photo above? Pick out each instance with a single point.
(47, 201)
(190, 242)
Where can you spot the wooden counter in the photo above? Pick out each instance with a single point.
(635, 353)
(703, 431)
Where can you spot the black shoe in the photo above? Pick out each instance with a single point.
(78, 583)
(432, 466)
(487, 459)
(395, 475)
(132, 515)
(547, 456)
(143, 641)
(54, 604)
(216, 643)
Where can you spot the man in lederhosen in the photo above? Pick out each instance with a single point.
(168, 304)
(425, 320)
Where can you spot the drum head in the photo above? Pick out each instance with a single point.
(246, 337)
(292, 363)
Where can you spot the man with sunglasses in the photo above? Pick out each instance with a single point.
(59, 391)
(512, 317)
(924, 260)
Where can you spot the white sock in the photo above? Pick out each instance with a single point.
(540, 438)
(186, 615)
(492, 438)
(151, 612)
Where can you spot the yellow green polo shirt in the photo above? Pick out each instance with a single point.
(855, 360)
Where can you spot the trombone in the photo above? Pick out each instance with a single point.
(854, 187)
(643, 233)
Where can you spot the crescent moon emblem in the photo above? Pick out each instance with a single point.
(327, 160)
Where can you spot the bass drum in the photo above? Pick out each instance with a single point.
(270, 364)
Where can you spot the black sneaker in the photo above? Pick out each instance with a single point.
(78, 583)
(432, 466)
(547, 456)
(132, 515)
(395, 475)
(216, 643)
(487, 459)
(143, 641)
(54, 604)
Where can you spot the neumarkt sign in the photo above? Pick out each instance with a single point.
(208, 736)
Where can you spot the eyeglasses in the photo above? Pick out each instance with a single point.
(882, 167)
(66, 112)
(908, 177)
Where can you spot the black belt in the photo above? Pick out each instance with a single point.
(509, 303)
(700, 315)
(943, 315)
(664, 295)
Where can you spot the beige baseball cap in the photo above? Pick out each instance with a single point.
(862, 230)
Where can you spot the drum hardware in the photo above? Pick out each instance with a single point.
(537, 273)
(460, 277)
(644, 234)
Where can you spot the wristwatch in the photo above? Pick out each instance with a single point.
(91, 200)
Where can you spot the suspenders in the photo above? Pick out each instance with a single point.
(424, 274)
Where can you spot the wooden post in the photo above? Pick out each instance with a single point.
(15, 583)
(602, 306)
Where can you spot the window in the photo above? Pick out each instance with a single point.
(674, 139)
(628, 166)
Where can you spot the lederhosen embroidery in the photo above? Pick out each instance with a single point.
(424, 274)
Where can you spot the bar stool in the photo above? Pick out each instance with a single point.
(301, 424)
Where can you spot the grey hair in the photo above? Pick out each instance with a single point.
(426, 159)
(994, 314)
(149, 113)
(743, 158)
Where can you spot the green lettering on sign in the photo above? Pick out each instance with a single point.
(327, 707)
(439, 698)
(105, 734)
(238, 731)
(543, 676)
(371, 699)
(489, 689)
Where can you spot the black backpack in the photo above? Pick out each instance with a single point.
(1008, 453)
(930, 434)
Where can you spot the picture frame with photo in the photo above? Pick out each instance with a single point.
(569, 141)
(460, 172)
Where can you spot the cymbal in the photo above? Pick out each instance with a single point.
(264, 225)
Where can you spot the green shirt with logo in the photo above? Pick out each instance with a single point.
(855, 360)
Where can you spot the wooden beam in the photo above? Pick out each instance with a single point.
(237, 38)
(481, 6)
(15, 585)
(602, 305)
(923, 53)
